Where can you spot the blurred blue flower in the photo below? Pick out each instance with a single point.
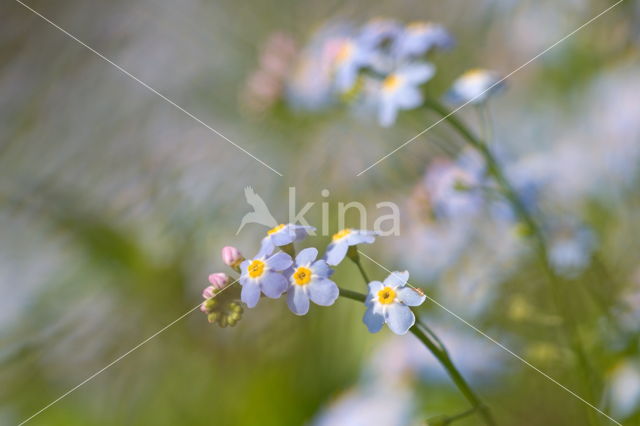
(311, 85)
(389, 302)
(351, 56)
(418, 38)
(309, 279)
(262, 273)
(456, 188)
(479, 360)
(378, 31)
(361, 406)
(400, 91)
(571, 248)
(474, 86)
(340, 242)
(623, 388)
(282, 235)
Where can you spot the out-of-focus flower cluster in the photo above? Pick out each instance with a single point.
(377, 68)
(276, 271)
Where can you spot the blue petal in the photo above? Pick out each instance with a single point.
(301, 231)
(266, 247)
(297, 300)
(373, 321)
(321, 269)
(388, 112)
(279, 261)
(250, 294)
(323, 292)
(361, 237)
(399, 318)
(283, 237)
(244, 266)
(374, 288)
(306, 256)
(409, 98)
(410, 296)
(418, 73)
(397, 279)
(336, 252)
(274, 284)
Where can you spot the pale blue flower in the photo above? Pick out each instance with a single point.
(282, 235)
(311, 86)
(571, 248)
(340, 242)
(456, 188)
(309, 279)
(379, 30)
(419, 38)
(400, 91)
(263, 274)
(351, 56)
(388, 302)
(623, 388)
(475, 87)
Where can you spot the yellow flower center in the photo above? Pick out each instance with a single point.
(345, 52)
(256, 268)
(341, 234)
(276, 229)
(417, 27)
(387, 295)
(302, 275)
(391, 83)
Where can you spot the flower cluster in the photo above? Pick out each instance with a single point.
(379, 67)
(276, 270)
(384, 64)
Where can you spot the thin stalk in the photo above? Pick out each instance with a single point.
(353, 254)
(444, 360)
(437, 348)
(555, 283)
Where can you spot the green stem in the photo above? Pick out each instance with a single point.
(353, 254)
(450, 419)
(439, 351)
(442, 356)
(494, 169)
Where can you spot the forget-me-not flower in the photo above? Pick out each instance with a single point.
(340, 242)
(418, 38)
(351, 56)
(282, 235)
(263, 273)
(309, 279)
(400, 91)
(388, 302)
(474, 86)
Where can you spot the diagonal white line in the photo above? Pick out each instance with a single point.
(503, 347)
(120, 358)
(492, 86)
(151, 89)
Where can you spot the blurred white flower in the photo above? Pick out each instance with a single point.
(624, 388)
(475, 86)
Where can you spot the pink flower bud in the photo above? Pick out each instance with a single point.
(208, 292)
(231, 256)
(218, 280)
(203, 307)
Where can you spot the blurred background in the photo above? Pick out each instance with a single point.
(114, 206)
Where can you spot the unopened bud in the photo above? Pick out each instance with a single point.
(208, 292)
(231, 256)
(218, 280)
